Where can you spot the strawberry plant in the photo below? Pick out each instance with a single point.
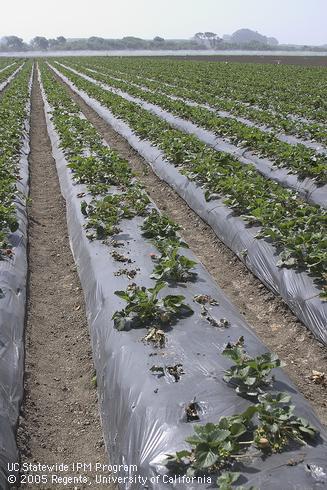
(270, 425)
(145, 308)
(213, 446)
(100, 170)
(171, 266)
(249, 375)
(104, 214)
(227, 478)
(158, 226)
(278, 425)
(13, 112)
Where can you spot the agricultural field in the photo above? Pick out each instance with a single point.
(163, 274)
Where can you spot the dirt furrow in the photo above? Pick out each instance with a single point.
(269, 316)
(60, 421)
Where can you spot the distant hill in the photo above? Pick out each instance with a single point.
(247, 36)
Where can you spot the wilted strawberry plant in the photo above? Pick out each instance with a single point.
(175, 372)
(250, 375)
(145, 308)
(156, 336)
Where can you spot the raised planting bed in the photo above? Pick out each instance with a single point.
(8, 75)
(283, 129)
(220, 87)
(296, 159)
(14, 151)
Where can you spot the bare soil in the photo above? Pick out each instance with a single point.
(60, 422)
(268, 315)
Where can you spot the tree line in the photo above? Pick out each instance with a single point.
(241, 39)
(39, 43)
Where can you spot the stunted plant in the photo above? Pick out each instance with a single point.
(104, 214)
(250, 375)
(145, 308)
(158, 226)
(172, 266)
(206, 303)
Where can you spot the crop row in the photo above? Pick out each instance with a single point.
(100, 171)
(286, 90)
(295, 227)
(12, 118)
(103, 169)
(275, 121)
(269, 424)
(5, 62)
(297, 158)
(14, 150)
(5, 74)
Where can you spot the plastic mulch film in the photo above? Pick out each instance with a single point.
(6, 67)
(306, 188)
(9, 79)
(293, 140)
(143, 415)
(296, 288)
(13, 279)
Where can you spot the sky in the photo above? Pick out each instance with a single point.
(290, 21)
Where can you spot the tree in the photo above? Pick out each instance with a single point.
(207, 39)
(40, 42)
(13, 43)
(159, 39)
(210, 35)
(132, 42)
(61, 40)
(213, 39)
(95, 42)
(53, 44)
